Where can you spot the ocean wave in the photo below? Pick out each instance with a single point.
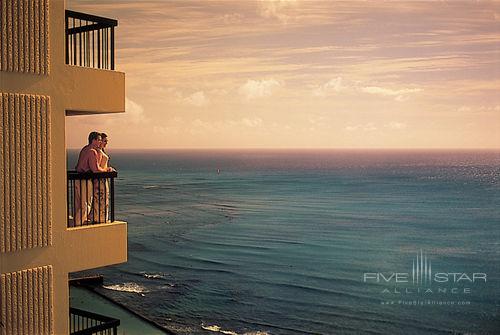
(217, 329)
(156, 275)
(127, 287)
(158, 187)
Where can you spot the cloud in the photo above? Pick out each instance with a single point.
(400, 95)
(255, 122)
(479, 109)
(218, 91)
(232, 18)
(370, 126)
(200, 127)
(338, 84)
(276, 9)
(173, 126)
(318, 121)
(258, 88)
(396, 125)
(464, 109)
(134, 112)
(197, 99)
(333, 85)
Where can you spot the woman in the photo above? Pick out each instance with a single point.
(103, 156)
(101, 188)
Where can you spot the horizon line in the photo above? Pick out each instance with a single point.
(310, 148)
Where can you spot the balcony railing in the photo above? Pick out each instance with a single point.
(91, 198)
(90, 40)
(86, 323)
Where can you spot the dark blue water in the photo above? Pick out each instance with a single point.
(278, 242)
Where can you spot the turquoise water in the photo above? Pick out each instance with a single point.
(278, 242)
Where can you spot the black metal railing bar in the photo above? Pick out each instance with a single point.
(90, 198)
(90, 40)
(87, 323)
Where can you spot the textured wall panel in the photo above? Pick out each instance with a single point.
(26, 302)
(25, 197)
(24, 38)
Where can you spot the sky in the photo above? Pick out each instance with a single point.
(302, 74)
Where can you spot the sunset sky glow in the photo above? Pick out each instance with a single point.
(302, 74)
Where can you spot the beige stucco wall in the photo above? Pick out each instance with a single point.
(32, 64)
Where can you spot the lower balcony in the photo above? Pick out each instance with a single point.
(86, 323)
(92, 229)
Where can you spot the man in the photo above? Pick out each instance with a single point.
(88, 161)
(89, 155)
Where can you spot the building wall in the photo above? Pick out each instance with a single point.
(37, 91)
(27, 301)
(25, 36)
(25, 195)
(26, 295)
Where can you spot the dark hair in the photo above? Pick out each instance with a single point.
(103, 135)
(93, 136)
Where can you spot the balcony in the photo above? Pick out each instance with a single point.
(91, 83)
(90, 40)
(91, 198)
(87, 323)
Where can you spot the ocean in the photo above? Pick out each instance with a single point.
(309, 241)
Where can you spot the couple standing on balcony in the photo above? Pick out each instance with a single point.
(92, 195)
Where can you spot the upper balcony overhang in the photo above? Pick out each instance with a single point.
(92, 91)
(91, 84)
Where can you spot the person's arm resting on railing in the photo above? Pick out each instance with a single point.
(94, 163)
